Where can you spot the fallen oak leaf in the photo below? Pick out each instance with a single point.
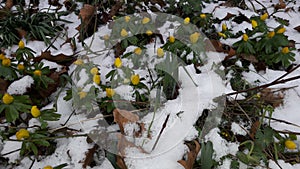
(61, 59)
(122, 117)
(123, 143)
(191, 156)
(89, 156)
(297, 28)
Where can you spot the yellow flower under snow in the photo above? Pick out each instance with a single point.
(186, 20)
(124, 33)
(118, 62)
(194, 37)
(160, 52)
(96, 79)
(82, 94)
(264, 16)
(94, 71)
(7, 98)
(245, 37)
(21, 44)
(22, 134)
(6, 62)
(254, 24)
(127, 18)
(285, 50)
(224, 27)
(20, 67)
(289, 144)
(48, 167)
(172, 39)
(281, 30)
(149, 33)
(110, 92)
(37, 73)
(35, 112)
(135, 79)
(203, 16)
(271, 34)
(78, 62)
(145, 20)
(138, 51)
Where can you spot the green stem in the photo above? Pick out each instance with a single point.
(251, 148)
(49, 138)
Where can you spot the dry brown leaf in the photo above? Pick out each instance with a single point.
(86, 13)
(89, 156)
(122, 117)
(275, 98)
(254, 129)
(280, 5)
(3, 86)
(121, 163)
(9, 4)
(250, 58)
(194, 148)
(123, 143)
(228, 16)
(61, 59)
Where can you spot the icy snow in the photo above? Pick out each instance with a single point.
(20, 86)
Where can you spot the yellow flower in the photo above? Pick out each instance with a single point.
(222, 34)
(37, 73)
(22, 133)
(127, 18)
(194, 37)
(6, 62)
(135, 79)
(124, 33)
(48, 167)
(106, 37)
(118, 62)
(285, 50)
(281, 30)
(97, 79)
(245, 37)
(149, 33)
(186, 20)
(172, 39)
(138, 51)
(254, 24)
(160, 52)
(20, 67)
(271, 34)
(21, 44)
(224, 27)
(2, 56)
(110, 92)
(82, 94)
(7, 98)
(289, 144)
(264, 16)
(94, 71)
(203, 16)
(78, 62)
(35, 112)
(145, 20)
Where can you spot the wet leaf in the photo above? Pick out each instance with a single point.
(194, 148)
(122, 117)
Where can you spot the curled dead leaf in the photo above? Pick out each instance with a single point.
(61, 59)
(297, 28)
(194, 148)
(122, 117)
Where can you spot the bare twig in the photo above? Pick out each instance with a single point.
(161, 131)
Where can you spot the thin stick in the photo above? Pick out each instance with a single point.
(161, 131)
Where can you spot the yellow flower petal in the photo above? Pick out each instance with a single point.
(124, 33)
(222, 34)
(145, 20)
(127, 18)
(224, 27)
(149, 33)
(97, 79)
(135, 79)
(285, 50)
(2, 56)
(138, 51)
(110, 92)
(22, 133)
(37, 73)
(35, 112)
(203, 16)
(20, 67)
(264, 16)
(186, 20)
(245, 37)
(194, 37)
(82, 94)
(160, 52)
(271, 34)
(289, 144)
(6, 62)
(281, 30)
(78, 62)
(21, 44)
(94, 71)
(254, 24)
(118, 62)
(106, 37)
(48, 167)
(7, 98)
(172, 39)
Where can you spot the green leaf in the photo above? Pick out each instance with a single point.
(60, 166)
(11, 113)
(206, 155)
(33, 148)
